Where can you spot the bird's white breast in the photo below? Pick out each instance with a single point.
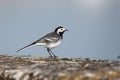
(52, 45)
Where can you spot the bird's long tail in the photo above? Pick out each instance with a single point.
(26, 46)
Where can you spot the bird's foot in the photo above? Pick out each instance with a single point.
(50, 56)
(55, 56)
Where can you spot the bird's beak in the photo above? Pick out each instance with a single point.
(66, 30)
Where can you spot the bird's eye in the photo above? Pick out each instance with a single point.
(61, 29)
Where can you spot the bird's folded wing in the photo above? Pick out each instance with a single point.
(51, 39)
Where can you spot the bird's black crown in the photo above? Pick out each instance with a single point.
(58, 28)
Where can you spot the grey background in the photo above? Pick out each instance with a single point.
(94, 27)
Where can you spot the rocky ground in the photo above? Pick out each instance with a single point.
(39, 68)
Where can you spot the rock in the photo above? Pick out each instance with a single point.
(39, 68)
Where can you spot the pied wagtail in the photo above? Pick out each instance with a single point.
(50, 40)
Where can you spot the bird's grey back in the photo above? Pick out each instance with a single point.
(45, 38)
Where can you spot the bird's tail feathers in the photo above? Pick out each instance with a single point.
(25, 47)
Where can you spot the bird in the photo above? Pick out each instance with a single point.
(49, 41)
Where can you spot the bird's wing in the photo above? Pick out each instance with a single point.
(51, 37)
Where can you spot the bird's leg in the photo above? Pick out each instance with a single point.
(53, 54)
(49, 52)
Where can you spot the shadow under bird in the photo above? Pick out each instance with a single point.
(49, 41)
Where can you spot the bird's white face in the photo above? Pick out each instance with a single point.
(61, 30)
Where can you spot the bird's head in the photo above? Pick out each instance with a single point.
(60, 30)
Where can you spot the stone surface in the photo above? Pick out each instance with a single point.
(40, 68)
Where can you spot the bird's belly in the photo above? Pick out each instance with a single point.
(52, 45)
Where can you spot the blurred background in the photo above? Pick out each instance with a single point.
(94, 27)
